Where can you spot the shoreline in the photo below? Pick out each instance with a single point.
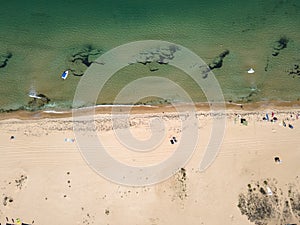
(144, 109)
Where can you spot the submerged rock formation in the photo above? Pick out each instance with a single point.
(4, 58)
(267, 65)
(82, 59)
(279, 45)
(218, 61)
(38, 101)
(295, 71)
(161, 55)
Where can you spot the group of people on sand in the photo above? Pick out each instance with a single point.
(284, 123)
(270, 118)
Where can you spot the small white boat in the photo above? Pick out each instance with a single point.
(251, 70)
(65, 75)
(34, 96)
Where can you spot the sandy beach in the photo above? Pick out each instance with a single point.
(45, 180)
(145, 147)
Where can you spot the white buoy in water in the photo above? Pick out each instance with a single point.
(251, 70)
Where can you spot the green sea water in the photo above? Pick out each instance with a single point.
(43, 37)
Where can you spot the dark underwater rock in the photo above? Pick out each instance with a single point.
(38, 101)
(84, 55)
(153, 69)
(74, 72)
(205, 70)
(43, 98)
(246, 30)
(295, 71)
(218, 61)
(267, 65)
(82, 59)
(280, 45)
(4, 59)
(160, 55)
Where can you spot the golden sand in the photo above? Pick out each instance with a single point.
(43, 177)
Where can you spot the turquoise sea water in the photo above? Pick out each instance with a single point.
(43, 38)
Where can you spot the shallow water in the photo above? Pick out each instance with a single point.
(43, 35)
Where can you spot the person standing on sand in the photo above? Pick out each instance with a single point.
(283, 123)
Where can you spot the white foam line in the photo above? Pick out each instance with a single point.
(53, 111)
(100, 106)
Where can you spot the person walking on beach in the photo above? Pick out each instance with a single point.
(283, 123)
